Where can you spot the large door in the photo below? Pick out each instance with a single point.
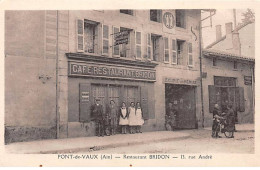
(183, 97)
(187, 119)
(114, 94)
(131, 95)
(99, 91)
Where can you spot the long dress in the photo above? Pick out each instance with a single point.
(138, 117)
(123, 117)
(131, 118)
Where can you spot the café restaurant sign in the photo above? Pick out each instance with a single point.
(105, 71)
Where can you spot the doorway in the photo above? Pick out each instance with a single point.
(183, 98)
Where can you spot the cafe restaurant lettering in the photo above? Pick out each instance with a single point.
(84, 69)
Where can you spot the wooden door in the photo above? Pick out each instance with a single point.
(114, 94)
(99, 92)
(131, 94)
(187, 108)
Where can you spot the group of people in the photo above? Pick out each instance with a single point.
(228, 115)
(107, 122)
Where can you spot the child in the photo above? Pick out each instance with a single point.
(123, 120)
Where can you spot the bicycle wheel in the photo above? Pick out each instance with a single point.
(229, 134)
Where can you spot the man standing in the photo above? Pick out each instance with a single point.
(113, 116)
(230, 119)
(216, 116)
(99, 116)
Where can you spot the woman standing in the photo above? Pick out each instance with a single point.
(123, 120)
(139, 117)
(131, 117)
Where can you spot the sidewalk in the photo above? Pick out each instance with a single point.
(241, 127)
(70, 145)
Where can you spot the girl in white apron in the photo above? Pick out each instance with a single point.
(123, 120)
(131, 117)
(139, 118)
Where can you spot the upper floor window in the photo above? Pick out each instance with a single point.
(214, 62)
(156, 15)
(180, 52)
(235, 64)
(180, 18)
(88, 36)
(127, 11)
(156, 41)
(126, 48)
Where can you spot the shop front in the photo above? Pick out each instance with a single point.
(181, 93)
(94, 77)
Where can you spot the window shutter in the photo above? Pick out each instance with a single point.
(138, 46)
(212, 97)
(166, 50)
(80, 35)
(84, 102)
(174, 51)
(144, 102)
(105, 39)
(241, 99)
(190, 57)
(149, 47)
(116, 51)
(132, 44)
(98, 39)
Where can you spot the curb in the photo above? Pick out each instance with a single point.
(108, 146)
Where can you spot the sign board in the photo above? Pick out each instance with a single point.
(248, 80)
(180, 81)
(110, 71)
(121, 38)
(169, 21)
(85, 96)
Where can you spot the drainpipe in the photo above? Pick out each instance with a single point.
(201, 87)
(57, 82)
(200, 49)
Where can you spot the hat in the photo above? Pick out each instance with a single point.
(97, 99)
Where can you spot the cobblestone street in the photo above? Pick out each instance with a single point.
(200, 141)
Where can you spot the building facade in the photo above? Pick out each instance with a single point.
(73, 57)
(228, 69)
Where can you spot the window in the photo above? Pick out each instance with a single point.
(138, 42)
(126, 11)
(190, 58)
(214, 61)
(88, 36)
(174, 53)
(156, 15)
(166, 50)
(105, 36)
(126, 48)
(155, 47)
(180, 18)
(180, 52)
(235, 64)
(225, 81)
(149, 47)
